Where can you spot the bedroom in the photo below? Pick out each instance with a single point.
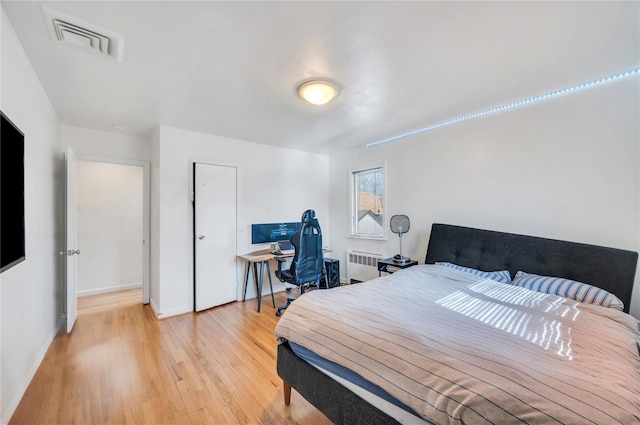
(567, 168)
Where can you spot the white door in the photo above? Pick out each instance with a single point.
(214, 235)
(71, 250)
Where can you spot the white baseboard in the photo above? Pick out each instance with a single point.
(170, 313)
(97, 291)
(174, 312)
(154, 306)
(13, 404)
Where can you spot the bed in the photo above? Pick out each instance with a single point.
(348, 389)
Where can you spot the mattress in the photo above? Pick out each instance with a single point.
(456, 348)
(366, 390)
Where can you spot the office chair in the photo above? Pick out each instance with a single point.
(307, 265)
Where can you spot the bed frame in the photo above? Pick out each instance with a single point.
(608, 268)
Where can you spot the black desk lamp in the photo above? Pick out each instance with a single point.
(400, 225)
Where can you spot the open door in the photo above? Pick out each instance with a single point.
(71, 239)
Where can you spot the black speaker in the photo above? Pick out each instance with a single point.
(332, 273)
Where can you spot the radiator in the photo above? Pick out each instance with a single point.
(362, 266)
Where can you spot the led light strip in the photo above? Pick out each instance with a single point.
(507, 106)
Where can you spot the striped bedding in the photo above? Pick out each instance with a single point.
(462, 349)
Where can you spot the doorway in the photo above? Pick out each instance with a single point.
(113, 228)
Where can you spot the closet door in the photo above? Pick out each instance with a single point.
(214, 235)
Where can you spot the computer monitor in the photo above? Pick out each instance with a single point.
(272, 232)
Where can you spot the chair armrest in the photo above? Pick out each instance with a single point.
(280, 260)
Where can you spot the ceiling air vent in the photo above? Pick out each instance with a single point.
(70, 30)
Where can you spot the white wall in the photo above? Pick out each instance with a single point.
(109, 227)
(31, 294)
(273, 185)
(567, 169)
(87, 142)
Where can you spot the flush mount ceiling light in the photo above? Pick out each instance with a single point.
(318, 92)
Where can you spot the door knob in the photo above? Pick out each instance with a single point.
(200, 237)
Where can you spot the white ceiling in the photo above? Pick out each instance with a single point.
(232, 68)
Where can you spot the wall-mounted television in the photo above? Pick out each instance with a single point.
(272, 232)
(12, 241)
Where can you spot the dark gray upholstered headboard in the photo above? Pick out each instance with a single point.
(608, 268)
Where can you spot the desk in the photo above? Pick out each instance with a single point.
(261, 257)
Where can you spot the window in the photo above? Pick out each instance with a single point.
(367, 202)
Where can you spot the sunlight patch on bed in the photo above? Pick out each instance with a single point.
(496, 306)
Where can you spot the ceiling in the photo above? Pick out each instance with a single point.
(232, 68)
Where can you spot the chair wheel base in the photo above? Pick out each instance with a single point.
(284, 307)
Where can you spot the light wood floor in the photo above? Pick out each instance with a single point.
(121, 365)
(106, 302)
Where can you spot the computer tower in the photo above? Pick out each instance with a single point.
(332, 273)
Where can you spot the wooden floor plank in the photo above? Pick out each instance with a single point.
(121, 365)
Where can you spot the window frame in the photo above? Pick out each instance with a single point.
(353, 209)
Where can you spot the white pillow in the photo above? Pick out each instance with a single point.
(502, 276)
(578, 291)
